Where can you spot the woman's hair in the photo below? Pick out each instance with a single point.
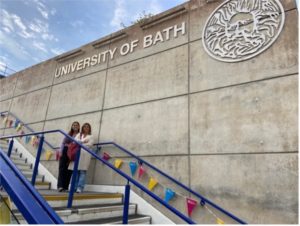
(90, 128)
(71, 132)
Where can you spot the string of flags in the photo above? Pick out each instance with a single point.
(169, 194)
(33, 140)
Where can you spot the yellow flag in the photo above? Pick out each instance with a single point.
(5, 120)
(152, 183)
(19, 127)
(48, 154)
(32, 141)
(118, 163)
(219, 221)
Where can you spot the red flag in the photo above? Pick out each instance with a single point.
(191, 204)
(141, 171)
(106, 156)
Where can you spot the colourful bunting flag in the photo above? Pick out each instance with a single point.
(48, 154)
(27, 139)
(141, 171)
(16, 123)
(118, 163)
(191, 204)
(106, 156)
(169, 194)
(36, 142)
(19, 127)
(152, 183)
(5, 120)
(22, 133)
(10, 122)
(32, 141)
(219, 221)
(133, 167)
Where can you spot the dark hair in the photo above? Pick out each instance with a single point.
(71, 132)
(86, 124)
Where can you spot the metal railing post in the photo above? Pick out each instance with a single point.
(37, 160)
(126, 203)
(74, 179)
(10, 147)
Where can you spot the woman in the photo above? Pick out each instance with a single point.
(86, 138)
(64, 175)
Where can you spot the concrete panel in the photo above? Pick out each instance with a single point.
(200, 11)
(31, 107)
(65, 125)
(77, 96)
(88, 51)
(4, 105)
(158, 76)
(7, 87)
(35, 77)
(257, 117)
(260, 189)
(207, 73)
(137, 33)
(149, 129)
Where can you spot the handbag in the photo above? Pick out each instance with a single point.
(72, 151)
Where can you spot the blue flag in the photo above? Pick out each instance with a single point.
(169, 194)
(133, 167)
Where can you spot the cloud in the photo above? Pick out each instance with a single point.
(39, 45)
(77, 23)
(120, 14)
(57, 51)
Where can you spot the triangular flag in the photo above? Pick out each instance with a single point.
(22, 133)
(36, 142)
(191, 204)
(16, 123)
(133, 167)
(48, 155)
(169, 194)
(152, 183)
(10, 123)
(19, 127)
(106, 156)
(141, 171)
(27, 139)
(118, 163)
(219, 221)
(32, 140)
(5, 120)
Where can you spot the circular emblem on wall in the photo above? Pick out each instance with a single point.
(241, 29)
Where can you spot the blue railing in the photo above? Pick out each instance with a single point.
(7, 113)
(128, 178)
(29, 202)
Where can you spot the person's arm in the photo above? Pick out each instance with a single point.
(88, 141)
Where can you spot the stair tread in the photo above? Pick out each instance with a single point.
(109, 220)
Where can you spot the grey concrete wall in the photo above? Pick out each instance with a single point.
(227, 130)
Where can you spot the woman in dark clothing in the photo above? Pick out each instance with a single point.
(64, 175)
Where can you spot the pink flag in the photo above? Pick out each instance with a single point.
(191, 204)
(106, 156)
(141, 171)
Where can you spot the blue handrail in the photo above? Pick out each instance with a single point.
(140, 186)
(26, 126)
(203, 199)
(29, 202)
(128, 178)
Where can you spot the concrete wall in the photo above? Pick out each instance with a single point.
(227, 130)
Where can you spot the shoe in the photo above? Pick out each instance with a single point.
(60, 189)
(78, 190)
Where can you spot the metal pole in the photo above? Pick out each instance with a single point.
(37, 160)
(126, 203)
(10, 147)
(74, 179)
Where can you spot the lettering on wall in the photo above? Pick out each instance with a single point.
(127, 48)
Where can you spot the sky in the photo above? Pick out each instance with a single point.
(32, 31)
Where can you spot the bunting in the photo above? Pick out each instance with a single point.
(118, 163)
(133, 167)
(5, 120)
(16, 123)
(219, 221)
(191, 204)
(152, 183)
(106, 156)
(169, 194)
(19, 127)
(27, 139)
(48, 154)
(141, 171)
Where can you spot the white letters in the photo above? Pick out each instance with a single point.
(148, 41)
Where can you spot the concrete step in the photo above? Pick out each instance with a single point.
(16, 156)
(87, 213)
(28, 174)
(133, 219)
(42, 185)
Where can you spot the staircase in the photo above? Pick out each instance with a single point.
(88, 207)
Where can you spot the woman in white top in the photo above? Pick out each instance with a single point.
(86, 138)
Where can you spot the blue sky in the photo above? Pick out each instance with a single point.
(32, 31)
